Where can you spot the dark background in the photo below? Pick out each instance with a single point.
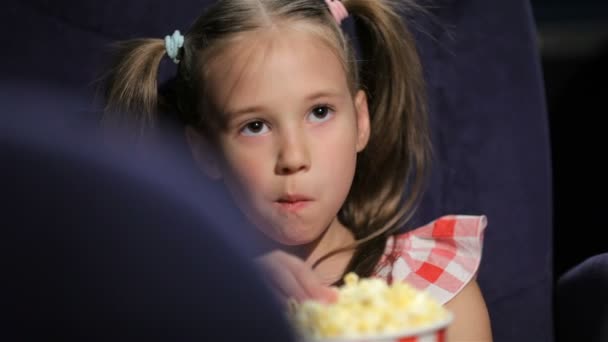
(573, 41)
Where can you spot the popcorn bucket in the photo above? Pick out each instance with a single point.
(371, 310)
(433, 333)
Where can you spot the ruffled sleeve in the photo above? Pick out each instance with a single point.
(440, 257)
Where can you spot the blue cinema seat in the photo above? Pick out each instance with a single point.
(581, 301)
(101, 244)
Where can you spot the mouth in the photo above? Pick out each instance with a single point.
(293, 202)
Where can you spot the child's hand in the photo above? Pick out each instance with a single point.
(292, 278)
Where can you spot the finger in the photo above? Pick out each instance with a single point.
(294, 278)
(311, 283)
(316, 290)
(286, 284)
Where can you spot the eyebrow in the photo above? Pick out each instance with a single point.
(324, 93)
(253, 109)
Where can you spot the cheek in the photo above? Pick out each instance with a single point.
(337, 153)
(244, 168)
(341, 163)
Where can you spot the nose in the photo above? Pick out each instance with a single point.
(293, 154)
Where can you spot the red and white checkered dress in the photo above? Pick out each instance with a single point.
(440, 257)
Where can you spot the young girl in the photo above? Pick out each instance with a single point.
(325, 153)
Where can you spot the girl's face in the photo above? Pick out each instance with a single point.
(293, 131)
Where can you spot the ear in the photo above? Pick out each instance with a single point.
(203, 153)
(363, 124)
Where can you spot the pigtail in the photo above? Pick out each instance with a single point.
(396, 158)
(131, 87)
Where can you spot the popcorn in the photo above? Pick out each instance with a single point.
(367, 307)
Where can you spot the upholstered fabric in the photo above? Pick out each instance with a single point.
(582, 301)
(492, 155)
(99, 244)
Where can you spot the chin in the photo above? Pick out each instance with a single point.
(294, 237)
(298, 240)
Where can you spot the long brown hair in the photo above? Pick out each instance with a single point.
(390, 171)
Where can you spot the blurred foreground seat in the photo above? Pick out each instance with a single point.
(582, 301)
(100, 245)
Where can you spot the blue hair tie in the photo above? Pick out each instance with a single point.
(172, 44)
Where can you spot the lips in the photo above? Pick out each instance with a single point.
(293, 202)
(294, 198)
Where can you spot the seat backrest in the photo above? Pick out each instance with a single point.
(491, 140)
(99, 244)
(582, 301)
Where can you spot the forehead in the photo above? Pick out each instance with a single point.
(260, 64)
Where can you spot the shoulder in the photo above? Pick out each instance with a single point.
(441, 257)
(471, 318)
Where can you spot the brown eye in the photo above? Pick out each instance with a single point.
(254, 128)
(320, 114)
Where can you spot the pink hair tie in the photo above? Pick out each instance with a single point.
(337, 9)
